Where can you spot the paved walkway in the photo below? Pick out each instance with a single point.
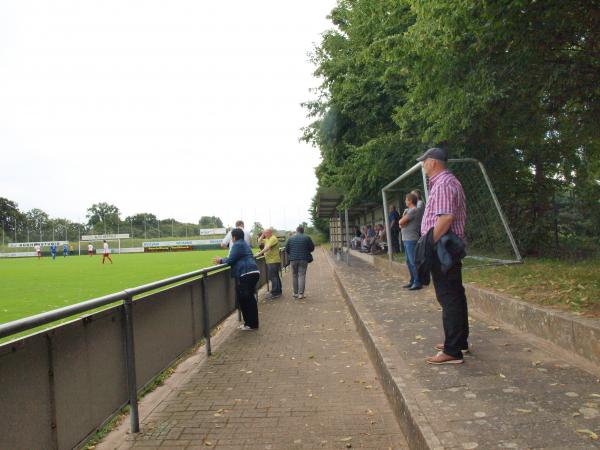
(303, 381)
(512, 392)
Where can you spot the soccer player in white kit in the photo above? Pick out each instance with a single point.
(38, 250)
(106, 253)
(90, 249)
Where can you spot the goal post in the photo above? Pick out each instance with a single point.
(101, 238)
(487, 232)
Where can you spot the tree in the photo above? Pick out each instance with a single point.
(257, 229)
(514, 84)
(103, 216)
(10, 216)
(210, 222)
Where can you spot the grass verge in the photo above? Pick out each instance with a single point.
(568, 285)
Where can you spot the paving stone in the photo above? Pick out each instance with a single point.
(304, 380)
(509, 393)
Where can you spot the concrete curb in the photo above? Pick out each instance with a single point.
(576, 335)
(412, 421)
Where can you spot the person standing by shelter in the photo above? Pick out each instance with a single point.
(419, 195)
(394, 222)
(38, 250)
(65, 250)
(246, 273)
(299, 248)
(53, 250)
(444, 217)
(106, 252)
(227, 243)
(90, 249)
(273, 260)
(411, 226)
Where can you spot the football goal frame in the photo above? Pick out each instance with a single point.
(419, 167)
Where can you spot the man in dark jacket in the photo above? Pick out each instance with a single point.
(394, 221)
(299, 248)
(245, 271)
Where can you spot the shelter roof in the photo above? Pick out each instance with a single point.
(330, 199)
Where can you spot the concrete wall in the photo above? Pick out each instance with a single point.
(60, 385)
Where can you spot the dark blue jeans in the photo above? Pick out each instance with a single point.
(409, 248)
(273, 272)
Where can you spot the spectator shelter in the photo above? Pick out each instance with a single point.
(342, 220)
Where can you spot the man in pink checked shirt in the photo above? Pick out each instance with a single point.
(446, 211)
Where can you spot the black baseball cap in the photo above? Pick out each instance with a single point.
(434, 153)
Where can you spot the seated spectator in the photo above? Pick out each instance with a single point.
(379, 242)
(355, 242)
(369, 238)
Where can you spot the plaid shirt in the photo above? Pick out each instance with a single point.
(446, 197)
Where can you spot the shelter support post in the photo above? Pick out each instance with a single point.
(347, 237)
(387, 225)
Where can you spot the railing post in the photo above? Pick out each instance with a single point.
(130, 355)
(205, 315)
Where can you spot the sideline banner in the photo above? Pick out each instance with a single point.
(102, 237)
(17, 255)
(212, 231)
(33, 244)
(194, 242)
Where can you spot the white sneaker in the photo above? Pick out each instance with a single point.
(246, 328)
(300, 296)
(295, 295)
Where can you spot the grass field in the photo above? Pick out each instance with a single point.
(30, 286)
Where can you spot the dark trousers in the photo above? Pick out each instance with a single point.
(450, 294)
(273, 273)
(246, 287)
(395, 233)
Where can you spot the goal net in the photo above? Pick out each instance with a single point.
(487, 233)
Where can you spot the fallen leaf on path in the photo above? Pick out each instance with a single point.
(346, 439)
(523, 410)
(593, 436)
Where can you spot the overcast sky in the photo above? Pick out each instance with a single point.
(180, 108)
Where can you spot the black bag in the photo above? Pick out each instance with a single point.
(310, 258)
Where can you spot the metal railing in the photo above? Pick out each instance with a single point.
(59, 385)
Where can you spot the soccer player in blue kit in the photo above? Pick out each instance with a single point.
(53, 251)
